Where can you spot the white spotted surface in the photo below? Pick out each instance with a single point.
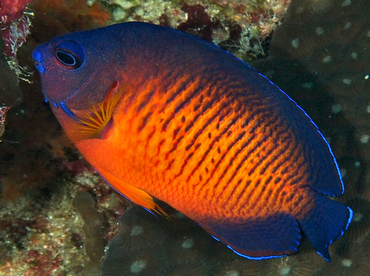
(295, 43)
(347, 25)
(347, 81)
(188, 243)
(346, 262)
(327, 59)
(319, 31)
(336, 108)
(137, 230)
(346, 3)
(138, 266)
(357, 217)
(364, 138)
(232, 273)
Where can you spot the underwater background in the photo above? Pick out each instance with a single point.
(58, 217)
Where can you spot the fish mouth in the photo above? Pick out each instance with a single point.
(36, 56)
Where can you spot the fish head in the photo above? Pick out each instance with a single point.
(75, 72)
(80, 76)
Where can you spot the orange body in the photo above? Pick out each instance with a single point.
(225, 161)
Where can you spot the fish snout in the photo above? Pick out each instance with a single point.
(37, 60)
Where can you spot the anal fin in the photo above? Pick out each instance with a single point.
(273, 236)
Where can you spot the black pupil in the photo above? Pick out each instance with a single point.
(66, 58)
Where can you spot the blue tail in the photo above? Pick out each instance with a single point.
(325, 223)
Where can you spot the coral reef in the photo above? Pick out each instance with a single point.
(14, 27)
(240, 27)
(33, 235)
(63, 16)
(14, 24)
(348, 259)
(46, 233)
(93, 228)
(10, 93)
(40, 173)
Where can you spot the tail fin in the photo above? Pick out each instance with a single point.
(325, 223)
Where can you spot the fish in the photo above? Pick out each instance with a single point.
(164, 114)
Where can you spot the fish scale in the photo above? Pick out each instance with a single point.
(163, 114)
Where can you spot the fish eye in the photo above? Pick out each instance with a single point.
(67, 59)
(70, 54)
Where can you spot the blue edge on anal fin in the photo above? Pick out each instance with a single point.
(325, 223)
(271, 237)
